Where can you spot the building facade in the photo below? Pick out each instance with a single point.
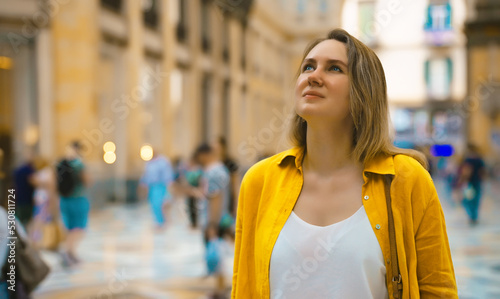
(170, 74)
(482, 105)
(422, 47)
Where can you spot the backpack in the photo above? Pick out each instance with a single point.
(67, 178)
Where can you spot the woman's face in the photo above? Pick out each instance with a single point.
(322, 88)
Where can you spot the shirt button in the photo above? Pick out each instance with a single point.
(377, 226)
(366, 197)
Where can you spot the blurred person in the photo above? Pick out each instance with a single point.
(234, 185)
(188, 175)
(471, 174)
(450, 177)
(72, 183)
(46, 210)
(193, 176)
(157, 177)
(178, 168)
(344, 213)
(25, 189)
(215, 189)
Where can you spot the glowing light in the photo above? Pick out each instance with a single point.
(146, 152)
(109, 157)
(31, 135)
(109, 147)
(5, 63)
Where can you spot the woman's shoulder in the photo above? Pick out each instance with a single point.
(408, 167)
(268, 167)
(412, 177)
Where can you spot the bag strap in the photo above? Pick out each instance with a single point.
(397, 284)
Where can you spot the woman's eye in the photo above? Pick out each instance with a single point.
(335, 68)
(307, 67)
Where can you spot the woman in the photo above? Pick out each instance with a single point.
(72, 184)
(231, 165)
(313, 221)
(46, 212)
(157, 177)
(470, 179)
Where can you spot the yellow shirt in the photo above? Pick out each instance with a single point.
(271, 187)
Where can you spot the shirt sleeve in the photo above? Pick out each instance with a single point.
(217, 181)
(168, 173)
(237, 242)
(436, 276)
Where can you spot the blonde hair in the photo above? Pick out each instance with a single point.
(368, 103)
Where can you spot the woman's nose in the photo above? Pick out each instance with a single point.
(315, 78)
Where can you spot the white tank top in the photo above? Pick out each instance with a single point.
(342, 260)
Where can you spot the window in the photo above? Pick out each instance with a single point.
(438, 76)
(150, 13)
(226, 111)
(225, 40)
(182, 25)
(243, 57)
(438, 17)
(206, 108)
(115, 5)
(323, 7)
(301, 9)
(205, 25)
(367, 23)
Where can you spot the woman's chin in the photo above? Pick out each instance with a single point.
(312, 113)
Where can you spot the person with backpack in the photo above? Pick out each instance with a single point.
(215, 189)
(74, 204)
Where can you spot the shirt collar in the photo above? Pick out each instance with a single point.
(297, 152)
(381, 164)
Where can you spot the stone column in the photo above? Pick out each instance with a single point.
(193, 85)
(168, 22)
(44, 61)
(236, 127)
(75, 54)
(135, 85)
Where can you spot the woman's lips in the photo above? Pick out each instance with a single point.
(310, 94)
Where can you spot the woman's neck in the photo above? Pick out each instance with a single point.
(329, 149)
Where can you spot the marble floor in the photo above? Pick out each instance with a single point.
(123, 256)
(475, 250)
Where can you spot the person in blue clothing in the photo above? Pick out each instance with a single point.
(193, 175)
(215, 188)
(25, 189)
(471, 175)
(72, 182)
(157, 177)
